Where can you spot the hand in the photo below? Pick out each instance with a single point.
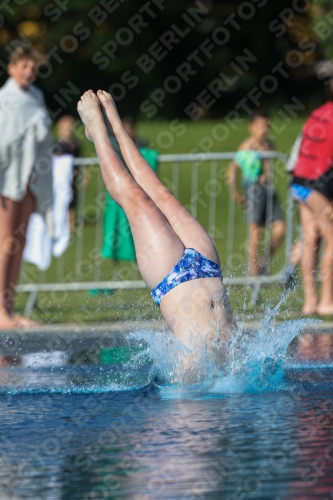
(263, 179)
(240, 199)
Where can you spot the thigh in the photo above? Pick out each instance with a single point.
(319, 204)
(187, 228)
(310, 226)
(158, 247)
(23, 214)
(8, 216)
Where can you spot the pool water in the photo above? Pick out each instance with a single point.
(89, 419)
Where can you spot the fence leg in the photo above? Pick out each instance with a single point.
(31, 303)
(255, 295)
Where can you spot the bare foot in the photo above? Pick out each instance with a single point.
(25, 322)
(91, 115)
(7, 322)
(310, 306)
(325, 309)
(308, 310)
(109, 109)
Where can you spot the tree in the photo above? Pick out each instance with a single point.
(160, 57)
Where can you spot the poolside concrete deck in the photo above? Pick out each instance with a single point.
(115, 328)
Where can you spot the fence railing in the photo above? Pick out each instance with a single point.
(199, 181)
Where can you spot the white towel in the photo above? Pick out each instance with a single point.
(294, 153)
(40, 246)
(25, 147)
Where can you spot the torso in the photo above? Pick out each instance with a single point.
(314, 167)
(252, 144)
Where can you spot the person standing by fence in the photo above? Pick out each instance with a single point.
(260, 199)
(66, 144)
(25, 171)
(312, 188)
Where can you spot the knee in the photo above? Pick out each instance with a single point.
(279, 228)
(137, 195)
(10, 245)
(255, 231)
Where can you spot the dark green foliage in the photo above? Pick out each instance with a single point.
(79, 43)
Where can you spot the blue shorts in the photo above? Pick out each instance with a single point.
(300, 193)
(191, 266)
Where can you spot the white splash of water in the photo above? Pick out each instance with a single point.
(255, 363)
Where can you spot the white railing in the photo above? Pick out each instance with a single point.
(199, 180)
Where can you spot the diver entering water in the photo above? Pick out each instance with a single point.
(176, 257)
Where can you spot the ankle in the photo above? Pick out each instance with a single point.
(4, 312)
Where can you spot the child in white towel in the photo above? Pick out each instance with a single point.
(25, 171)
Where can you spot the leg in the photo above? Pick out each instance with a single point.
(158, 247)
(278, 228)
(254, 238)
(188, 229)
(311, 236)
(294, 259)
(325, 305)
(296, 253)
(8, 215)
(25, 209)
(319, 206)
(278, 232)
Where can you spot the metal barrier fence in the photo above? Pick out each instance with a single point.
(199, 181)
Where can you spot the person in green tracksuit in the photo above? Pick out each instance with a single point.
(118, 241)
(261, 201)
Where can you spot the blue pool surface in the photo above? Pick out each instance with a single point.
(137, 445)
(94, 425)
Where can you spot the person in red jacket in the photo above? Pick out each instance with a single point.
(312, 188)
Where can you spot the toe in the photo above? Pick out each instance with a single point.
(101, 95)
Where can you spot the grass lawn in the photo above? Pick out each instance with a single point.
(85, 264)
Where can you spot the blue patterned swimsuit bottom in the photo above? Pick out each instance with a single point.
(191, 266)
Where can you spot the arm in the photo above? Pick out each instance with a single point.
(265, 176)
(233, 175)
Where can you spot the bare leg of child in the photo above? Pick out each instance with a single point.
(311, 236)
(278, 232)
(319, 204)
(25, 209)
(8, 210)
(254, 237)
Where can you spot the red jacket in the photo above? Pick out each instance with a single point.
(316, 151)
(314, 166)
